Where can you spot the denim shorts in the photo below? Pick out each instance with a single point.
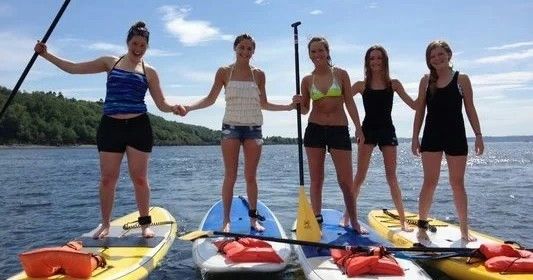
(241, 132)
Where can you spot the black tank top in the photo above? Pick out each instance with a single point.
(378, 107)
(445, 110)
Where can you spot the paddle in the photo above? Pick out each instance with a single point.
(33, 58)
(432, 228)
(193, 235)
(307, 227)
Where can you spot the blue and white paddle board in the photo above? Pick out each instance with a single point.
(206, 255)
(317, 263)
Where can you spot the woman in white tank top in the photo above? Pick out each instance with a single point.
(245, 97)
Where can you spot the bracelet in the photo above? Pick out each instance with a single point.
(477, 133)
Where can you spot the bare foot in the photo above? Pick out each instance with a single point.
(405, 226)
(345, 220)
(101, 231)
(147, 232)
(422, 235)
(226, 226)
(468, 237)
(359, 229)
(254, 223)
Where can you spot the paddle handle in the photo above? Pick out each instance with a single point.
(33, 58)
(298, 107)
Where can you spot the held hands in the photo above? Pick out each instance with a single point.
(359, 136)
(40, 48)
(296, 99)
(179, 110)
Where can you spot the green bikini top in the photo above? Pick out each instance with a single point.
(333, 91)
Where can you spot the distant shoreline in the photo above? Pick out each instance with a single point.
(523, 138)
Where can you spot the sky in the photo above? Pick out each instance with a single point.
(492, 42)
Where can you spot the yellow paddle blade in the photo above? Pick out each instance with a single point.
(193, 235)
(307, 227)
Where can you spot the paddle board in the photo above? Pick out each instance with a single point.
(206, 255)
(317, 264)
(447, 235)
(127, 253)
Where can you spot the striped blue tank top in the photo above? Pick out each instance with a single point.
(125, 92)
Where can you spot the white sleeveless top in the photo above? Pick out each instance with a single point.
(243, 106)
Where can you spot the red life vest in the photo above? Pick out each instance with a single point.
(68, 260)
(244, 250)
(377, 262)
(506, 258)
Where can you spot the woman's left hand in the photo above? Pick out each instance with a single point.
(359, 136)
(479, 146)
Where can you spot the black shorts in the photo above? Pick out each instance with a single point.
(114, 135)
(327, 137)
(451, 145)
(381, 136)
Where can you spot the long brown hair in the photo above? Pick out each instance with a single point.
(368, 72)
(324, 42)
(432, 85)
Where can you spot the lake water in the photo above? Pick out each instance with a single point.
(49, 195)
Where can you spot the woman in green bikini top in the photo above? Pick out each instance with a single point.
(329, 89)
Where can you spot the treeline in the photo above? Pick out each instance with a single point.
(48, 118)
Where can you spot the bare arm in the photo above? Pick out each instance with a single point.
(349, 103)
(470, 109)
(210, 99)
(101, 64)
(398, 87)
(156, 92)
(261, 81)
(305, 103)
(419, 115)
(358, 87)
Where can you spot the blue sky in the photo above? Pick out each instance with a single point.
(492, 43)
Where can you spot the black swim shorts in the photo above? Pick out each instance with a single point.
(114, 135)
(327, 137)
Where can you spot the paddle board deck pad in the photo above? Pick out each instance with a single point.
(127, 253)
(206, 255)
(318, 264)
(446, 236)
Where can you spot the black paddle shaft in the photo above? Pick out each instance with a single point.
(33, 58)
(298, 108)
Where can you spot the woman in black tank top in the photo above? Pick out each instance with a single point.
(377, 91)
(443, 92)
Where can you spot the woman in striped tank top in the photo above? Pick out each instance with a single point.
(245, 97)
(125, 126)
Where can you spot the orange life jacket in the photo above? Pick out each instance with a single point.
(248, 250)
(377, 262)
(68, 260)
(506, 258)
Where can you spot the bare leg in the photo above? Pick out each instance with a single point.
(230, 154)
(389, 161)
(252, 154)
(342, 160)
(109, 171)
(456, 169)
(364, 153)
(315, 159)
(138, 168)
(431, 165)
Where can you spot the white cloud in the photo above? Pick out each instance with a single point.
(316, 12)
(260, 2)
(511, 46)
(189, 32)
(503, 79)
(372, 5)
(112, 48)
(506, 57)
(15, 51)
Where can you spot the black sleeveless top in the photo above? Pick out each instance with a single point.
(378, 107)
(444, 111)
